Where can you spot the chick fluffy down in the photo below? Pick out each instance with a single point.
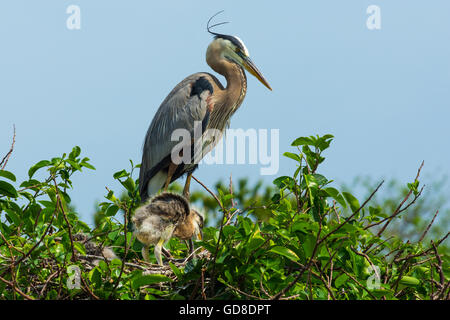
(149, 229)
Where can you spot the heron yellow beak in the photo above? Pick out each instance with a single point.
(200, 235)
(250, 67)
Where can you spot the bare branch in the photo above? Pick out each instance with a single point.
(428, 227)
(6, 157)
(399, 208)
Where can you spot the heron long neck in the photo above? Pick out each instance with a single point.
(227, 101)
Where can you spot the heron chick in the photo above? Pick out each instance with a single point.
(163, 216)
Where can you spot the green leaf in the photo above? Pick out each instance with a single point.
(285, 252)
(352, 201)
(112, 210)
(228, 230)
(120, 174)
(143, 280)
(339, 281)
(95, 277)
(178, 273)
(302, 141)
(320, 179)
(409, 281)
(377, 212)
(75, 153)
(8, 190)
(382, 292)
(129, 184)
(306, 226)
(37, 166)
(308, 245)
(324, 142)
(7, 175)
(80, 248)
(13, 217)
(334, 193)
(74, 164)
(48, 204)
(311, 181)
(87, 165)
(255, 241)
(284, 181)
(292, 156)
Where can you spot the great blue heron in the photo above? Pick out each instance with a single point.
(163, 216)
(199, 98)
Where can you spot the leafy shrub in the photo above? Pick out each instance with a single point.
(301, 239)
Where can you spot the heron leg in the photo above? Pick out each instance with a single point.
(158, 248)
(191, 246)
(187, 185)
(170, 172)
(188, 245)
(145, 254)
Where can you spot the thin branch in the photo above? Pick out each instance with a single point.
(428, 227)
(354, 279)
(69, 227)
(6, 157)
(242, 292)
(125, 223)
(210, 192)
(354, 213)
(12, 285)
(399, 208)
(220, 233)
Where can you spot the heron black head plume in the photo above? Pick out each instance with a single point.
(235, 40)
(208, 27)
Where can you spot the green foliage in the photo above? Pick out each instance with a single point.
(303, 238)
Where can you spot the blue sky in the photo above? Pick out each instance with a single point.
(384, 94)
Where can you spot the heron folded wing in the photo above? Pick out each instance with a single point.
(186, 104)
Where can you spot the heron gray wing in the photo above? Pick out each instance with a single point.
(185, 104)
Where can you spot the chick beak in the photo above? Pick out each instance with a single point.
(250, 67)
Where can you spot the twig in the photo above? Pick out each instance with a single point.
(69, 227)
(439, 265)
(6, 157)
(322, 277)
(428, 227)
(220, 233)
(12, 285)
(203, 284)
(264, 289)
(210, 192)
(233, 203)
(354, 213)
(125, 222)
(194, 291)
(47, 282)
(88, 289)
(354, 279)
(399, 208)
(242, 292)
(362, 254)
